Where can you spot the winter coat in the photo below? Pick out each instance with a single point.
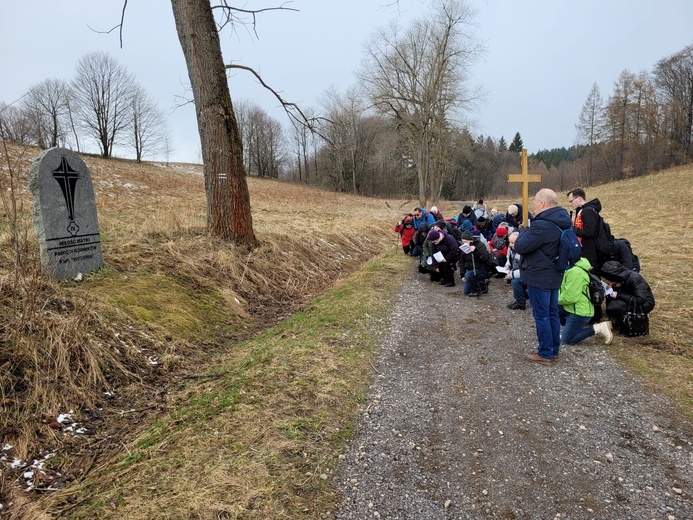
(482, 259)
(633, 285)
(538, 245)
(498, 245)
(516, 221)
(513, 262)
(586, 227)
(573, 294)
(622, 253)
(449, 247)
(406, 231)
(426, 218)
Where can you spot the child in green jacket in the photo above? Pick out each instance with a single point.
(573, 297)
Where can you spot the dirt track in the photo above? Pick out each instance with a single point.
(458, 425)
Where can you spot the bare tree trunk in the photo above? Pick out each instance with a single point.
(228, 199)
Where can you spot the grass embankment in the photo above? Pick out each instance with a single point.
(208, 422)
(652, 211)
(257, 434)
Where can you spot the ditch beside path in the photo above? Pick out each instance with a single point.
(458, 425)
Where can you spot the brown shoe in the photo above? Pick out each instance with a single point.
(536, 358)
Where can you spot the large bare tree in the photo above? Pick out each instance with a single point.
(103, 91)
(148, 134)
(420, 78)
(48, 105)
(228, 199)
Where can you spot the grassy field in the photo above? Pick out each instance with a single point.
(262, 358)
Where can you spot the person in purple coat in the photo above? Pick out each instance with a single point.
(538, 244)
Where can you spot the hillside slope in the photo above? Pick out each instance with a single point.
(127, 349)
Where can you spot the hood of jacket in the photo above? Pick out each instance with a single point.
(614, 271)
(584, 264)
(556, 215)
(594, 203)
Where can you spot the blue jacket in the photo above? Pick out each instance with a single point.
(426, 218)
(538, 245)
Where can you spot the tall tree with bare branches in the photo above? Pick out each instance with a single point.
(103, 90)
(420, 78)
(226, 187)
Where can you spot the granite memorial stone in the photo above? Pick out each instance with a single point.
(65, 216)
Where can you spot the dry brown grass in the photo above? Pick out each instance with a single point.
(250, 423)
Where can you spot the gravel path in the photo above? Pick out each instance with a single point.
(458, 425)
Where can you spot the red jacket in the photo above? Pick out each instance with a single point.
(406, 231)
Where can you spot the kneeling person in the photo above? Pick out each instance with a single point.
(573, 297)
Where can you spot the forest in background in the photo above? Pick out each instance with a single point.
(352, 144)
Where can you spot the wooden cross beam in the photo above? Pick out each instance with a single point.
(525, 179)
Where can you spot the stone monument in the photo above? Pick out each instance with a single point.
(65, 217)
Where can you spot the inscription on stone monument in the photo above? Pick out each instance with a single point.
(65, 216)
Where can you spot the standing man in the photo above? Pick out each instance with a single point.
(538, 245)
(586, 225)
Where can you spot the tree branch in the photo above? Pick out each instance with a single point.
(291, 109)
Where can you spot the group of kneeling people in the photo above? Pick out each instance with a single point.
(481, 254)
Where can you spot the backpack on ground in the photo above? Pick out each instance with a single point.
(595, 290)
(569, 250)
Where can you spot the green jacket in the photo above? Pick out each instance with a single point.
(573, 295)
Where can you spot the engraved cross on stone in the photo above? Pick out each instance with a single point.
(525, 179)
(67, 179)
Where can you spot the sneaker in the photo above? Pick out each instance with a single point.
(515, 306)
(473, 294)
(603, 328)
(536, 358)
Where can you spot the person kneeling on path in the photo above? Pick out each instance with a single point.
(573, 297)
(445, 253)
(476, 263)
(630, 291)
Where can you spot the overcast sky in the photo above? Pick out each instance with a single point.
(543, 56)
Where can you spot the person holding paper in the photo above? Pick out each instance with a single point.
(476, 264)
(445, 253)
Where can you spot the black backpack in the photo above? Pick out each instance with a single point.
(595, 290)
(604, 240)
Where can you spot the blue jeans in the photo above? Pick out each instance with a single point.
(545, 311)
(575, 331)
(474, 280)
(519, 291)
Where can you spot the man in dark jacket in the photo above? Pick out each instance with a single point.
(586, 225)
(538, 245)
(444, 262)
(630, 290)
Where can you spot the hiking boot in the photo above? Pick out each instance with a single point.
(484, 288)
(603, 328)
(473, 294)
(536, 358)
(449, 284)
(516, 306)
(555, 358)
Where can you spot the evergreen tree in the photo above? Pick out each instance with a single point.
(516, 145)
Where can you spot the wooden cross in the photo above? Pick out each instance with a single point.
(525, 179)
